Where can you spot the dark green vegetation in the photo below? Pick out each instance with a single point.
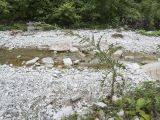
(83, 13)
(143, 102)
(149, 33)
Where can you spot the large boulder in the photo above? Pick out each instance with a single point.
(60, 47)
(152, 69)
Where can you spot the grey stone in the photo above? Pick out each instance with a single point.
(30, 27)
(129, 57)
(76, 98)
(95, 61)
(67, 62)
(66, 111)
(100, 104)
(73, 49)
(47, 61)
(60, 47)
(110, 118)
(76, 62)
(146, 62)
(120, 113)
(152, 69)
(118, 54)
(31, 62)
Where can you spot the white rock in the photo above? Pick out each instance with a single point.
(152, 69)
(101, 104)
(60, 47)
(120, 113)
(136, 118)
(66, 111)
(110, 118)
(118, 54)
(43, 47)
(10, 48)
(74, 49)
(76, 62)
(18, 56)
(76, 98)
(30, 27)
(67, 62)
(159, 59)
(47, 60)
(115, 98)
(135, 66)
(31, 62)
(82, 54)
(129, 57)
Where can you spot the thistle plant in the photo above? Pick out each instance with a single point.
(106, 57)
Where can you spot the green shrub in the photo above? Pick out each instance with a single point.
(82, 13)
(149, 33)
(43, 26)
(16, 26)
(3, 7)
(65, 14)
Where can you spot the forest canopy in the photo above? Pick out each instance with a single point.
(82, 13)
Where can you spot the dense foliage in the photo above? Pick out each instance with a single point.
(82, 13)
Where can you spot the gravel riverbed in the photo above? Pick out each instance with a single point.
(42, 92)
(131, 40)
(50, 93)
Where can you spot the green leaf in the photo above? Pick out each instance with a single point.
(131, 113)
(129, 100)
(142, 118)
(140, 103)
(144, 115)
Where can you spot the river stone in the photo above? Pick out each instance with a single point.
(43, 47)
(10, 48)
(118, 54)
(67, 62)
(95, 61)
(152, 69)
(73, 49)
(66, 111)
(129, 57)
(76, 98)
(110, 118)
(120, 113)
(100, 104)
(146, 62)
(47, 61)
(60, 47)
(82, 55)
(30, 27)
(76, 62)
(31, 62)
(115, 98)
